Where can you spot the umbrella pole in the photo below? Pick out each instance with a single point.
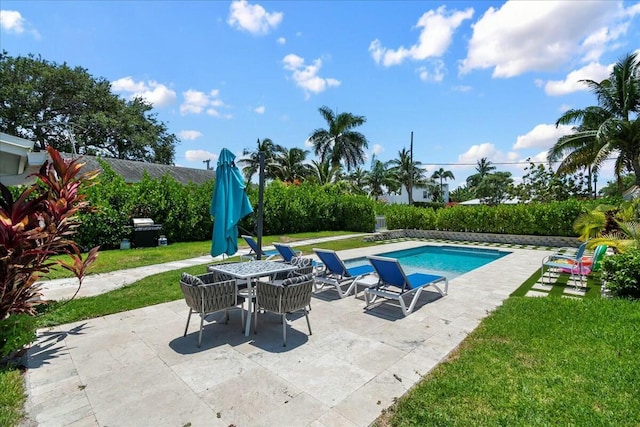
(260, 202)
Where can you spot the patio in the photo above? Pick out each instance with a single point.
(135, 368)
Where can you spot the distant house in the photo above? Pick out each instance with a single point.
(419, 195)
(14, 152)
(18, 161)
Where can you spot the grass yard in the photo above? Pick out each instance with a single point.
(536, 362)
(122, 259)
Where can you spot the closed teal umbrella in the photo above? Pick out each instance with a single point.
(229, 205)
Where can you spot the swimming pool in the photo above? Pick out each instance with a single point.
(449, 261)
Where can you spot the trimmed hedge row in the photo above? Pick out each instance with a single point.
(183, 210)
(541, 219)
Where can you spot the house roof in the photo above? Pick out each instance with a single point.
(132, 171)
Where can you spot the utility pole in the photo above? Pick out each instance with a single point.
(410, 195)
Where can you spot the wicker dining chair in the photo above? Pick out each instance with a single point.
(206, 294)
(292, 295)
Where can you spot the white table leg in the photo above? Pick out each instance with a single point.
(247, 328)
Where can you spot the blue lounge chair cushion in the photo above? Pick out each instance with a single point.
(359, 270)
(417, 280)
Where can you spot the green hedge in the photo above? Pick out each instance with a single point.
(308, 207)
(183, 210)
(543, 219)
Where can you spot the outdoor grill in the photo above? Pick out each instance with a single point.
(145, 232)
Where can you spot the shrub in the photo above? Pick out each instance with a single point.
(621, 274)
(411, 217)
(37, 225)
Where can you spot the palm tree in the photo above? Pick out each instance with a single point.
(252, 160)
(357, 180)
(484, 167)
(409, 173)
(288, 164)
(323, 173)
(611, 127)
(442, 175)
(380, 177)
(580, 149)
(340, 143)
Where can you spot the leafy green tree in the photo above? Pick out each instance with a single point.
(494, 187)
(251, 161)
(610, 128)
(461, 194)
(409, 173)
(70, 110)
(288, 164)
(542, 184)
(617, 187)
(340, 143)
(442, 175)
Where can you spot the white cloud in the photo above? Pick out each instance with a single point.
(436, 33)
(462, 88)
(488, 150)
(151, 91)
(306, 76)
(190, 135)
(259, 110)
(593, 71)
(12, 22)
(252, 18)
(542, 136)
(377, 149)
(195, 102)
(523, 36)
(434, 74)
(281, 40)
(195, 155)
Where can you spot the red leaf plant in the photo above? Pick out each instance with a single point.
(37, 225)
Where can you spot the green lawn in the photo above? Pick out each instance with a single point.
(122, 259)
(534, 361)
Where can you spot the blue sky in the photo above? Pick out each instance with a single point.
(469, 79)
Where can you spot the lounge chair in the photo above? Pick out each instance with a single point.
(394, 284)
(286, 251)
(204, 294)
(587, 265)
(337, 275)
(557, 261)
(254, 249)
(293, 294)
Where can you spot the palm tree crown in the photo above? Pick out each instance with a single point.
(409, 173)
(610, 127)
(340, 143)
(252, 160)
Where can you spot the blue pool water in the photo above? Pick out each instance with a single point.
(449, 261)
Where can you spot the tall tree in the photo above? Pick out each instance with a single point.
(340, 143)
(288, 164)
(409, 173)
(70, 110)
(610, 128)
(251, 161)
(442, 175)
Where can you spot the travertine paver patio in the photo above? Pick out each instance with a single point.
(136, 369)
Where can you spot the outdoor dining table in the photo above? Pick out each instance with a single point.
(248, 271)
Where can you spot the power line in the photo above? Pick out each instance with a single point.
(505, 163)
